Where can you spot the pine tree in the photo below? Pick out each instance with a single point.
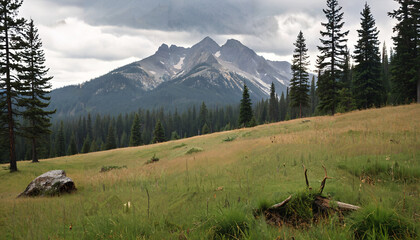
(93, 146)
(283, 107)
(202, 117)
(72, 150)
(89, 128)
(299, 85)
(174, 136)
(245, 110)
(124, 142)
(385, 74)
(331, 59)
(273, 107)
(36, 89)
(405, 70)
(158, 133)
(60, 144)
(346, 79)
(205, 130)
(135, 137)
(86, 144)
(313, 96)
(11, 45)
(110, 139)
(367, 86)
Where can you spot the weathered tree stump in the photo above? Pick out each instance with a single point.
(310, 207)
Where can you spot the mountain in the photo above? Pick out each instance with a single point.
(177, 77)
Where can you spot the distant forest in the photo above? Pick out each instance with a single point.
(98, 132)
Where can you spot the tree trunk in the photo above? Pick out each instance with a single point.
(10, 121)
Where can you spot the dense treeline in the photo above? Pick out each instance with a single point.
(102, 132)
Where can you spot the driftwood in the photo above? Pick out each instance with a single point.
(321, 206)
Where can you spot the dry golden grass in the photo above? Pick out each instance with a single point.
(264, 161)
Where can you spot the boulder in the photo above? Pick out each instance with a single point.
(51, 183)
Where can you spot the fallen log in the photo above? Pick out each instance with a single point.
(330, 204)
(279, 205)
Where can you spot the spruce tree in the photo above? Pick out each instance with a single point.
(86, 144)
(174, 136)
(245, 110)
(346, 78)
(273, 107)
(60, 144)
(135, 137)
(110, 139)
(205, 130)
(367, 85)
(203, 115)
(11, 44)
(158, 133)
(331, 59)
(299, 85)
(283, 107)
(405, 70)
(36, 89)
(385, 74)
(313, 95)
(93, 146)
(72, 150)
(124, 142)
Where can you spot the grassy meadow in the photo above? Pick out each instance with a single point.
(207, 187)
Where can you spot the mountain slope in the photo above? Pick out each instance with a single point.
(258, 165)
(177, 77)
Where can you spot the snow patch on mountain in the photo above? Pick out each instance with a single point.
(179, 64)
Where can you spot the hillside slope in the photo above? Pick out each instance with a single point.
(373, 157)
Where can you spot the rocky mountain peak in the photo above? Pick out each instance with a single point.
(207, 44)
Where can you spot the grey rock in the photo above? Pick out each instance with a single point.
(51, 183)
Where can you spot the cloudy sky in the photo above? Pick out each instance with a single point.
(84, 39)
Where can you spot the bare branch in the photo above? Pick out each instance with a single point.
(324, 180)
(306, 176)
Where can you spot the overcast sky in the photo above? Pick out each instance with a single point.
(84, 39)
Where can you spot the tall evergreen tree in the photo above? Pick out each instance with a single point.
(273, 106)
(158, 133)
(11, 44)
(245, 110)
(299, 85)
(331, 59)
(86, 144)
(37, 87)
(111, 141)
(385, 73)
(346, 79)
(93, 146)
(405, 70)
(60, 144)
(72, 150)
(312, 95)
(205, 130)
(283, 107)
(135, 137)
(203, 115)
(367, 86)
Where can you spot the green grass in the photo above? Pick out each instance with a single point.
(375, 222)
(185, 195)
